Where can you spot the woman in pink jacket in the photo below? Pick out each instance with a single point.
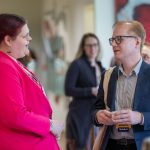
(25, 113)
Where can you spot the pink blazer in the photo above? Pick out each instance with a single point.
(24, 110)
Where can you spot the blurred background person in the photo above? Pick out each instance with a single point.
(54, 42)
(82, 81)
(146, 52)
(32, 65)
(30, 60)
(26, 115)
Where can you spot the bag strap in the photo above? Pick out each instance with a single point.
(100, 137)
(105, 84)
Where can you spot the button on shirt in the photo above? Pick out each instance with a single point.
(124, 97)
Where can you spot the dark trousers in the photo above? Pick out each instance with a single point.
(115, 145)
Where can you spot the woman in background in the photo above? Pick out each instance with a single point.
(82, 80)
(25, 114)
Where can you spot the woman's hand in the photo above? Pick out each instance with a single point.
(56, 128)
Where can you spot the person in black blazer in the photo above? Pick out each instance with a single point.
(82, 81)
(128, 95)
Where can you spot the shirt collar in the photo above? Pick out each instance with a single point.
(135, 70)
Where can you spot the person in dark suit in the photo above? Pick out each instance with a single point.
(82, 80)
(128, 91)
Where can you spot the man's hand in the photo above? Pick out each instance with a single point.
(104, 117)
(127, 117)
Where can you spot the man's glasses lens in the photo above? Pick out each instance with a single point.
(118, 39)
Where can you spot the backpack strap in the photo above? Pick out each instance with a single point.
(105, 84)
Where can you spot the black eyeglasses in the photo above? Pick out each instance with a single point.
(118, 39)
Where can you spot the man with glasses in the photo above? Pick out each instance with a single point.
(128, 91)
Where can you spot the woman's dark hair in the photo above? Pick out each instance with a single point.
(81, 51)
(10, 24)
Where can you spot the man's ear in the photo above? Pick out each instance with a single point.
(8, 40)
(139, 41)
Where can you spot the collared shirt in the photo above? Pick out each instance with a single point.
(124, 96)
